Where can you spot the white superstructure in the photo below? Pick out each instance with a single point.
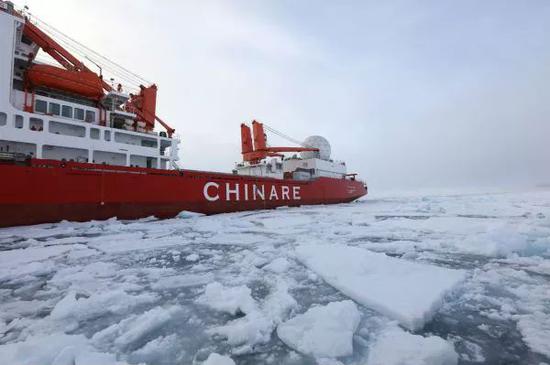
(305, 166)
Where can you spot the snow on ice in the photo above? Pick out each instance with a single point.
(396, 279)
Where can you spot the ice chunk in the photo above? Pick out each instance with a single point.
(16, 258)
(395, 346)
(230, 300)
(184, 214)
(217, 359)
(134, 328)
(279, 303)
(406, 291)
(79, 308)
(155, 351)
(95, 358)
(135, 242)
(180, 281)
(55, 349)
(247, 331)
(535, 329)
(324, 331)
(25, 270)
(260, 320)
(499, 240)
(193, 257)
(279, 265)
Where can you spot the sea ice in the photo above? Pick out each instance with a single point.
(217, 359)
(260, 319)
(231, 300)
(323, 331)
(279, 265)
(77, 308)
(180, 281)
(394, 346)
(407, 291)
(55, 349)
(124, 289)
(193, 257)
(134, 328)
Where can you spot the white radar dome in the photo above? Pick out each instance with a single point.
(317, 142)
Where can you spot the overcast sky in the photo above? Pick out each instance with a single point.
(409, 93)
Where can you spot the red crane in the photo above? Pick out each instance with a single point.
(255, 152)
(78, 79)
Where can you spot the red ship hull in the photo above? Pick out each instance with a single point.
(46, 191)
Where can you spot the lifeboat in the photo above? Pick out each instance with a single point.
(83, 83)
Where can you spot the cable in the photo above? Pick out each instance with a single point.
(282, 135)
(113, 70)
(78, 44)
(81, 49)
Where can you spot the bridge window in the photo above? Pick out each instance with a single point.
(40, 106)
(67, 111)
(78, 114)
(55, 109)
(3, 118)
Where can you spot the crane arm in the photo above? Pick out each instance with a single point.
(56, 51)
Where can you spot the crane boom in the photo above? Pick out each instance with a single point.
(77, 78)
(255, 152)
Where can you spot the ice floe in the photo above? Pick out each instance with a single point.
(322, 331)
(394, 346)
(407, 291)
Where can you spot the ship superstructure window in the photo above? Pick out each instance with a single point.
(107, 135)
(78, 114)
(109, 158)
(54, 109)
(67, 129)
(90, 116)
(94, 133)
(26, 40)
(36, 124)
(64, 153)
(3, 118)
(19, 121)
(41, 106)
(67, 111)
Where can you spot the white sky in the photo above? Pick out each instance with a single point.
(409, 93)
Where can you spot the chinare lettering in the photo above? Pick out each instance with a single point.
(214, 191)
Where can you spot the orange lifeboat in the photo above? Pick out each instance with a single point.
(83, 83)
